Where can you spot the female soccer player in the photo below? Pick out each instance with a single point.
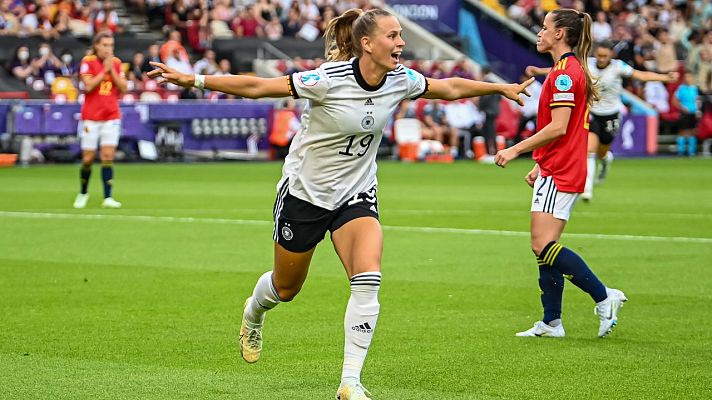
(329, 176)
(100, 123)
(608, 73)
(559, 174)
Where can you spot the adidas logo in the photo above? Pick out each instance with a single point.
(536, 201)
(368, 102)
(363, 328)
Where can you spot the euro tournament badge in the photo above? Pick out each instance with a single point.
(563, 83)
(309, 79)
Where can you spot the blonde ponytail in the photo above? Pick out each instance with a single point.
(343, 34)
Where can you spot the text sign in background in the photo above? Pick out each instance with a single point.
(216, 125)
(435, 16)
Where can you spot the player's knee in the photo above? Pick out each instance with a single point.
(538, 246)
(287, 293)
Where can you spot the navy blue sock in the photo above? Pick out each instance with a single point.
(575, 269)
(107, 174)
(551, 283)
(84, 174)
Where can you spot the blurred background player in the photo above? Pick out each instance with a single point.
(100, 124)
(686, 99)
(560, 172)
(608, 73)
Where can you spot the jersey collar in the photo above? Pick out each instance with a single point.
(362, 82)
(569, 54)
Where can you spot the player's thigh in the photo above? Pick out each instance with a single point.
(359, 244)
(89, 137)
(290, 270)
(549, 212)
(109, 134)
(545, 228)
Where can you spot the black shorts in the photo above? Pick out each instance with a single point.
(300, 225)
(688, 121)
(605, 127)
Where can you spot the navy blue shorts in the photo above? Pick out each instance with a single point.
(300, 225)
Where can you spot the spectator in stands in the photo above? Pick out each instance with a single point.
(107, 18)
(206, 65)
(686, 98)
(601, 29)
(173, 42)
(327, 15)
(224, 67)
(265, 11)
(657, 96)
(9, 23)
(69, 67)
(176, 62)
(704, 71)
(47, 63)
(273, 29)
(293, 24)
(665, 56)
(21, 67)
(434, 118)
(153, 55)
(246, 24)
(490, 106)
(136, 73)
(310, 11)
(180, 15)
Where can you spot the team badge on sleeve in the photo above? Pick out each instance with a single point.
(308, 79)
(563, 83)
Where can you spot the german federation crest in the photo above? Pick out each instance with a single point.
(563, 83)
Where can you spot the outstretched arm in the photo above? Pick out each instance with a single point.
(460, 88)
(241, 85)
(647, 76)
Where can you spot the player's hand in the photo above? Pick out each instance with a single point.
(109, 63)
(673, 76)
(504, 156)
(166, 74)
(513, 90)
(530, 178)
(531, 71)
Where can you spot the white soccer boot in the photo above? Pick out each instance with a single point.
(607, 311)
(109, 202)
(81, 200)
(250, 338)
(540, 329)
(352, 391)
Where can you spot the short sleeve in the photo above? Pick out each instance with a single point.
(85, 68)
(562, 90)
(311, 85)
(624, 69)
(417, 84)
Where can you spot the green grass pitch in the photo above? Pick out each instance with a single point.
(144, 302)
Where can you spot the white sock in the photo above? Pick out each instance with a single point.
(590, 173)
(264, 298)
(360, 322)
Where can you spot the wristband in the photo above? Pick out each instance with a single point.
(199, 81)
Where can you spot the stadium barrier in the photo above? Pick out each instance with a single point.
(188, 127)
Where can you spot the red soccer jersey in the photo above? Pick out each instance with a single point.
(102, 103)
(565, 157)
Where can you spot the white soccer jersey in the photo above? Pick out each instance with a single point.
(610, 85)
(333, 156)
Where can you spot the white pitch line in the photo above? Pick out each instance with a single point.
(419, 229)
